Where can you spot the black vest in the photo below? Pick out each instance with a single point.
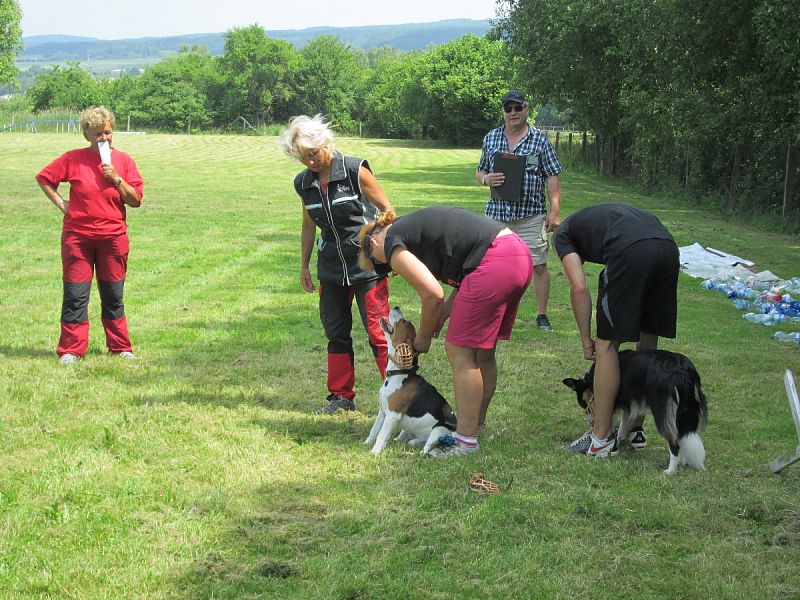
(339, 218)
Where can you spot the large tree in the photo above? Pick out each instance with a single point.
(173, 94)
(10, 41)
(459, 87)
(329, 81)
(256, 76)
(70, 87)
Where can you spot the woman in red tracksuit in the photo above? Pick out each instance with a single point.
(339, 194)
(94, 234)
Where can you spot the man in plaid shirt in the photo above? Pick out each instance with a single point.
(528, 218)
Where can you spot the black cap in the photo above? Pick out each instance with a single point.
(513, 96)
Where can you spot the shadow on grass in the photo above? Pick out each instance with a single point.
(290, 533)
(26, 352)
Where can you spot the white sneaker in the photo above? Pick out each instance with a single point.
(68, 359)
(447, 446)
(127, 355)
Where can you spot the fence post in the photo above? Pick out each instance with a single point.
(129, 123)
(737, 164)
(788, 186)
(583, 147)
(614, 143)
(654, 178)
(598, 155)
(686, 173)
(569, 142)
(558, 135)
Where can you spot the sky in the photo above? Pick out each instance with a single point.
(124, 19)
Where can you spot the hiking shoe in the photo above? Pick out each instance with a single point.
(336, 403)
(590, 446)
(637, 439)
(447, 446)
(68, 359)
(127, 355)
(543, 323)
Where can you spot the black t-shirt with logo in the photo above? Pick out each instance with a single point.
(450, 241)
(600, 232)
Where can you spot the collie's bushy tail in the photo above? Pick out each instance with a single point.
(692, 453)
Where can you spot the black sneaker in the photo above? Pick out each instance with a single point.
(337, 403)
(637, 438)
(543, 323)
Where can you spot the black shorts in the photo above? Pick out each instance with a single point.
(638, 292)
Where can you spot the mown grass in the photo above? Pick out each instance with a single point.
(201, 471)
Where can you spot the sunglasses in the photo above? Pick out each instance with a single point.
(514, 107)
(367, 245)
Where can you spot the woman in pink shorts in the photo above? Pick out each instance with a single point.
(489, 268)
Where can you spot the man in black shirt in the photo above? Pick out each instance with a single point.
(636, 300)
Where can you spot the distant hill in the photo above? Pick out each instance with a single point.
(410, 36)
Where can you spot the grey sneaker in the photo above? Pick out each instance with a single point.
(127, 355)
(68, 359)
(590, 446)
(447, 446)
(336, 403)
(543, 323)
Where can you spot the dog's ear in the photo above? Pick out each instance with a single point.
(386, 326)
(573, 384)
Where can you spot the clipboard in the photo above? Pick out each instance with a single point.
(513, 167)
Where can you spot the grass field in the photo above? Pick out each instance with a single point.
(200, 471)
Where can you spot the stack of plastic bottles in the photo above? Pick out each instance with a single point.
(767, 303)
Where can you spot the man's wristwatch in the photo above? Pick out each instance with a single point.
(118, 182)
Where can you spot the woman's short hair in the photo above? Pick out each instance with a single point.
(307, 133)
(96, 116)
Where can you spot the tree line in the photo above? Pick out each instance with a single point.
(449, 92)
(676, 93)
(675, 89)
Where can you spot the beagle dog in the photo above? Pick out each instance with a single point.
(406, 401)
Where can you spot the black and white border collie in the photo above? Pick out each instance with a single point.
(665, 384)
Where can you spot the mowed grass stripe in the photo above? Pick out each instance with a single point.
(201, 472)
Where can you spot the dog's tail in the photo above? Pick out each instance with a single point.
(692, 453)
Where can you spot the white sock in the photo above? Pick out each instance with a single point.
(466, 440)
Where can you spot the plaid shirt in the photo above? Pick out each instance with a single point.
(542, 163)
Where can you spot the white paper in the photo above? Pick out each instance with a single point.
(710, 263)
(105, 153)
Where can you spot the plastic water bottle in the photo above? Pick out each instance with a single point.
(764, 319)
(787, 338)
(708, 284)
(741, 304)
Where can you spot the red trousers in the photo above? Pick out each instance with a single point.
(335, 309)
(80, 257)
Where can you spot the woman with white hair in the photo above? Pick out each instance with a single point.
(94, 238)
(339, 194)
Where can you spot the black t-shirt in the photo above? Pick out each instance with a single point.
(449, 241)
(599, 232)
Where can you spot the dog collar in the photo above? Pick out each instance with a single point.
(394, 372)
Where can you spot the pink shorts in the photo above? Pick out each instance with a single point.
(486, 304)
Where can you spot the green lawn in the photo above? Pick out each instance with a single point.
(200, 471)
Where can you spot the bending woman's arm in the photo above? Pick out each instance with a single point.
(431, 294)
